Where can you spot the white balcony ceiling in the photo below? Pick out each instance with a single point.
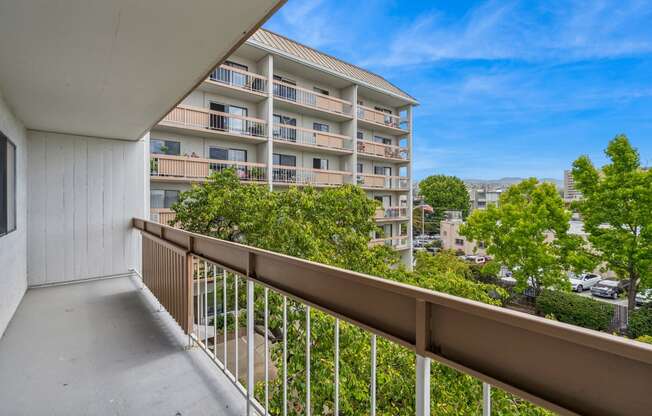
(113, 68)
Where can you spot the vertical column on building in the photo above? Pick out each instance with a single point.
(266, 110)
(350, 129)
(410, 191)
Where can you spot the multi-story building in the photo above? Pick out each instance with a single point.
(570, 193)
(481, 197)
(284, 114)
(451, 239)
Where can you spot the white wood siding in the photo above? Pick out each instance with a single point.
(83, 193)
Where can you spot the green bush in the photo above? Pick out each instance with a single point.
(574, 309)
(640, 323)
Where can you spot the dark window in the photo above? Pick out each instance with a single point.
(236, 155)
(459, 242)
(164, 147)
(7, 185)
(320, 90)
(284, 160)
(383, 170)
(359, 167)
(285, 133)
(159, 198)
(360, 135)
(382, 140)
(383, 110)
(318, 163)
(320, 127)
(285, 91)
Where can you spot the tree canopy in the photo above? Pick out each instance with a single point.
(617, 211)
(528, 233)
(445, 193)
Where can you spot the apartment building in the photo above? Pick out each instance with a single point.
(481, 197)
(283, 114)
(570, 193)
(451, 239)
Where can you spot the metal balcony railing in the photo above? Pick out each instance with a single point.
(192, 168)
(292, 134)
(306, 176)
(399, 183)
(204, 119)
(239, 78)
(381, 118)
(210, 288)
(391, 212)
(397, 242)
(292, 93)
(382, 150)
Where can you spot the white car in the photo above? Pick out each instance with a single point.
(584, 281)
(644, 297)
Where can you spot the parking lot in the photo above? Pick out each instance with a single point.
(620, 301)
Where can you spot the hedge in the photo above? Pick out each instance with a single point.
(640, 322)
(574, 309)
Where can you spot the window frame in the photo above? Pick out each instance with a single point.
(5, 204)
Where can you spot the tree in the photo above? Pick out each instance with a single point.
(528, 233)
(617, 211)
(445, 193)
(333, 226)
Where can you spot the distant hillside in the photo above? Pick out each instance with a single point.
(505, 182)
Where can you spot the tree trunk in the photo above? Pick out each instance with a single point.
(631, 293)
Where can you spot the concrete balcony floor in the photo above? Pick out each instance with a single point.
(102, 348)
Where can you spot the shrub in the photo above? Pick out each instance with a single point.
(645, 338)
(640, 323)
(576, 310)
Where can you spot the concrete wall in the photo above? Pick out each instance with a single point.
(83, 193)
(13, 246)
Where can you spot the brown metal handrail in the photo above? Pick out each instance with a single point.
(555, 365)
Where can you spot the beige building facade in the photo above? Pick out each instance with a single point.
(283, 114)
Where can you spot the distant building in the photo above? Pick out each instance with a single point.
(570, 192)
(481, 197)
(449, 231)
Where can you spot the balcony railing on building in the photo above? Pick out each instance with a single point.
(162, 215)
(390, 213)
(210, 120)
(308, 137)
(396, 242)
(190, 168)
(388, 151)
(239, 78)
(398, 183)
(307, 176)
(295, 94)
(381, 118)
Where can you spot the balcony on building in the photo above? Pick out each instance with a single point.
(381, 121)
(399, 242)
(300, 176)
(383, 182)
(187, 169)
(236, 82)
(379, 151)
(390, 214)
(286, 135)
(210, 123)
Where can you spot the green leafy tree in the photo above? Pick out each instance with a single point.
(617, 211)
(445, 193)
(528, 233)
(333, 226)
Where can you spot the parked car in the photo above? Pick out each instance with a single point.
(583, 281)
(609, 288)
(644, 297)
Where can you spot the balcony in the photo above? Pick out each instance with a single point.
(381, 121)
(312, 139)
(380, 151)
(209, 123)
(387, 183)
(236, 83)
(162, 215)
(295, 98)
(396, 242)
(167, 168)
(290, 175)
(385, 214)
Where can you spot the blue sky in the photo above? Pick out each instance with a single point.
(507, 88)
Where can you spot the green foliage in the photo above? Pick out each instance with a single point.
(429, 219)
(576, 310)
(333, 226)
(617, 212)
(645, 338)
(445, 193)
(528, 233)
(640, 323)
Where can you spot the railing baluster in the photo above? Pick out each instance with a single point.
(423, 385)
(197, 298)
(373, 375)
(250, 346)
(224, 318)
(266, 351)
(237, 327)
(205, 305)
(215, 311)
(336, 408)
(285, 355)
(308, 409)
(486, 399)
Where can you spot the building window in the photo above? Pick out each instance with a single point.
(360, 135)
(383, 170)
(320, 127)
(459, 242)
(159, 198)
(320, 90)
(360, 170)
(481, 245)
(284, 160)
(383, 110)
(382, 140)
(7, 185)
(164, 147)
(318, 163)
(219, 153)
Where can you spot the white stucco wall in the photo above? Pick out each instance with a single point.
(13, 246)
(82, 194)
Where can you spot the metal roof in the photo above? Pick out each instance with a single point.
(278, 43)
